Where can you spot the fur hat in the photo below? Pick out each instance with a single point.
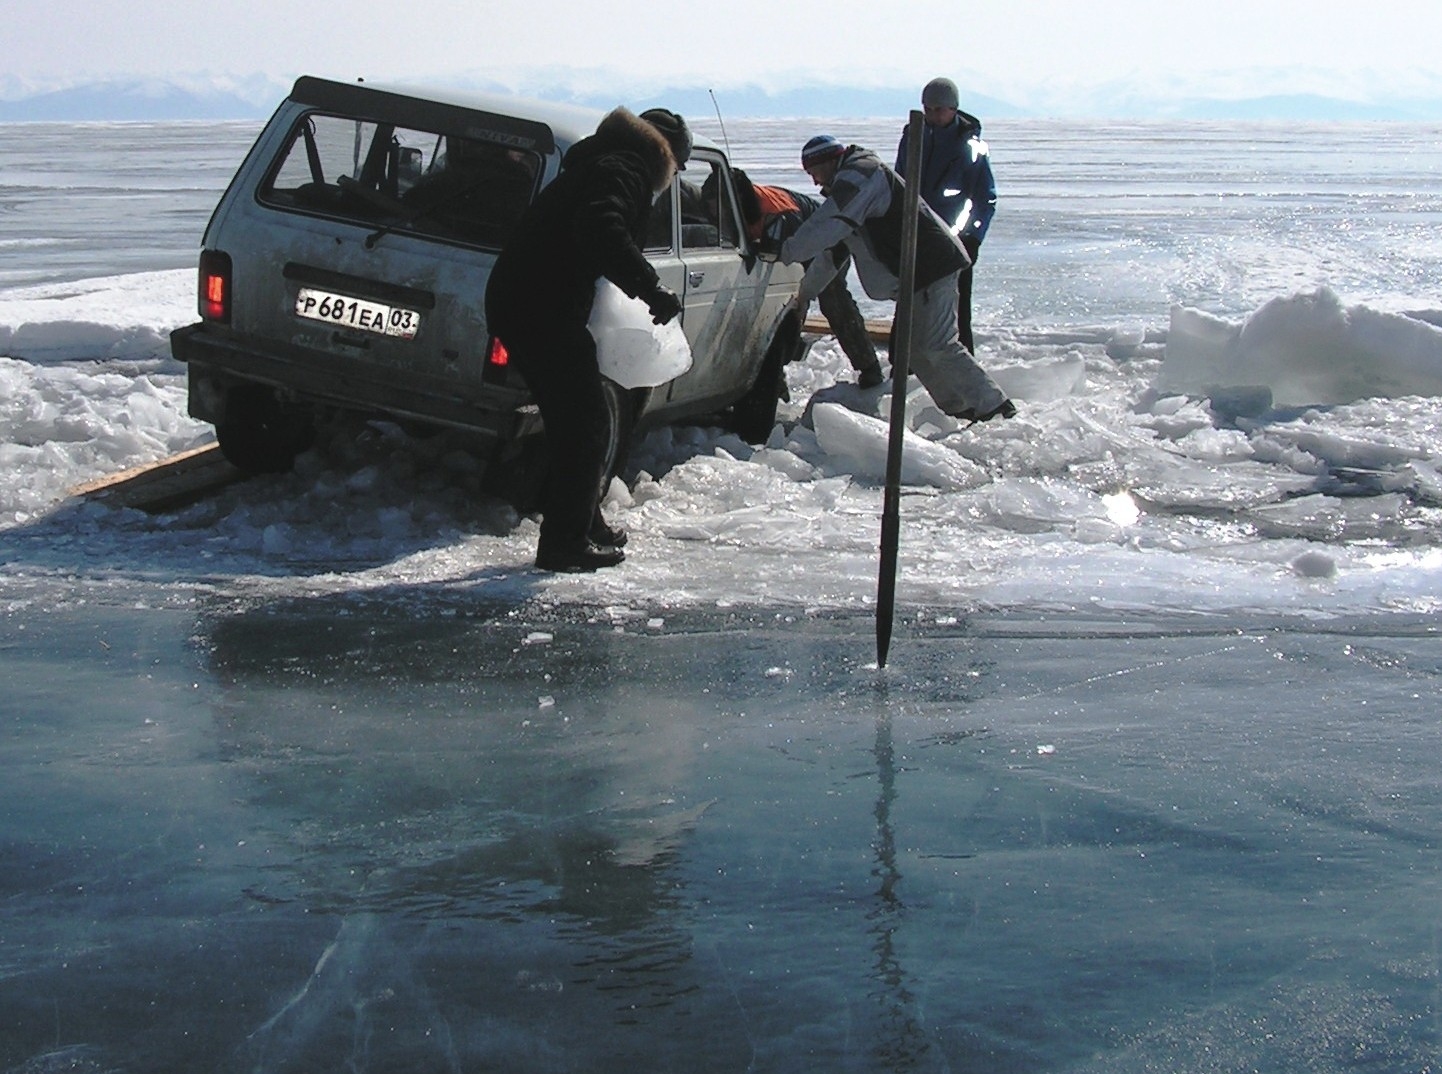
(674, 128)
(940, 93)
(621, 128)
(822, 147)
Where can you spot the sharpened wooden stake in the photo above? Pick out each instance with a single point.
(900, 370)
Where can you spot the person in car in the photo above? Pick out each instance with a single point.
(589, 222)
(863, 211)
(780, 211)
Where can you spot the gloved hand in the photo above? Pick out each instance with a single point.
(665, 307)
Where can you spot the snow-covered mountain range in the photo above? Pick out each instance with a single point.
(1242, 95)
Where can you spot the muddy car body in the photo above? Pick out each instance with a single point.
(340, 272)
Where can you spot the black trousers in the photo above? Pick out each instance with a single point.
(963, 295)
(843, 316)
(558, 362)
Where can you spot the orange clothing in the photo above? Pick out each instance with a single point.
(774, 200)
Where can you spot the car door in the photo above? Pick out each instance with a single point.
(719, 291)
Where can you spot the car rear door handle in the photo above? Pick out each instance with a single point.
(695, 278)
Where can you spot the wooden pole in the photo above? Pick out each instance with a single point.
(900, 370)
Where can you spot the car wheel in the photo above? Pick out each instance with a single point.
(260, 434)
(517, 472)
(623, 407)
(754, 414)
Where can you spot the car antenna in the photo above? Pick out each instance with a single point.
(721, 121)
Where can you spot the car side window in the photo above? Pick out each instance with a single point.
(475, 189)
(403, 179)
(658, 231)
(708, 211)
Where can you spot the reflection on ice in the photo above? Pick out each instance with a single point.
(349, 837)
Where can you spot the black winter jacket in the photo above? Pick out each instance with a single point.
(589, 222)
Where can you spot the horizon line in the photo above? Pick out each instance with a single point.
(219, 97)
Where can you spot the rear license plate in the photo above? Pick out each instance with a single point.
(359, 313)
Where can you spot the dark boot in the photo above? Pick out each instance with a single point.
(605, 534)
(870, 377)
(576, 557)
(1007, 409)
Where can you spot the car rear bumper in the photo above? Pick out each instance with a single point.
(218, 360)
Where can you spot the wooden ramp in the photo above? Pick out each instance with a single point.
(879, 331)
(166, 484)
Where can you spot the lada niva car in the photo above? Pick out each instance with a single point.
(345, 269)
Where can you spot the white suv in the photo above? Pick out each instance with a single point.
(341, 272)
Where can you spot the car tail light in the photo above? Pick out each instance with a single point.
(497, 357)
(215, 286)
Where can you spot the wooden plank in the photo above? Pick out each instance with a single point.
(879, 331)
(164, 484)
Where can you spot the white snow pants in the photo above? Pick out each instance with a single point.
(941, 362)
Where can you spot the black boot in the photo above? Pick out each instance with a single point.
(576, 557)
(1006, 409)
(605, 534)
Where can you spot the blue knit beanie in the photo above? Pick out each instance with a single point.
(822, 147)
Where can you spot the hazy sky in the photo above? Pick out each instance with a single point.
(1008, 44)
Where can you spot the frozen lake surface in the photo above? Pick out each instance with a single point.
(341, 834)
(319, 774)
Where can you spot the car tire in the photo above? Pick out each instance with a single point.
(754, 415)
(624, 406)
(259, 433)
(517, 474)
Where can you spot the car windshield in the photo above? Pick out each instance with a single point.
(392, 178)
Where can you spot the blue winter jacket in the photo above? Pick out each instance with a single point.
(956, 178)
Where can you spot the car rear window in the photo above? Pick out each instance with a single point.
(398, 179)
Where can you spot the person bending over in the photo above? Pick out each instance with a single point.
(773, 213)
(863, 212)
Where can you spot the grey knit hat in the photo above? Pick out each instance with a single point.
(940, 93)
